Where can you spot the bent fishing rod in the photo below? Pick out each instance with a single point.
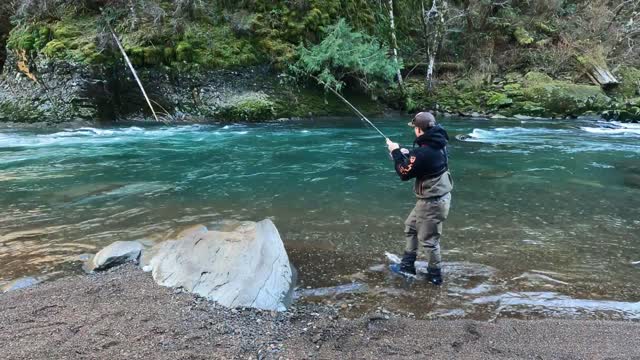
(362, 117)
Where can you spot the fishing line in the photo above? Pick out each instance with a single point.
(362, 117)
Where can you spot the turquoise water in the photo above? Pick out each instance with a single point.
(545, 218)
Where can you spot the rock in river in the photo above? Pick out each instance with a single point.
(246, 267)
(115, 254)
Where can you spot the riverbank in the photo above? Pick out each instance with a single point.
(124, 314)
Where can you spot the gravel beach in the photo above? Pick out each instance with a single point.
(123, 314)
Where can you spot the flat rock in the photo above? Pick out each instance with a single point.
(115, 254)
(245, 267)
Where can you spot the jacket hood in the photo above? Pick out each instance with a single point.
(435, 137)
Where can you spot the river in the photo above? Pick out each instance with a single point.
(545, 218)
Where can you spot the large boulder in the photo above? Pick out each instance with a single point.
(115, 254)
(246, 267)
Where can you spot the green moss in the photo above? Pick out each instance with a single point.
(184, 51)
(78, 36)
(136, 55)
(153, 55)
(169, 55)
(20, 111)
(66, 29)
(53, 48)
(536, 77)
(250, 109)
(42, 35)
(562, 98)
(629, 86)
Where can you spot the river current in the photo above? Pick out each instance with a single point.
(545, 218)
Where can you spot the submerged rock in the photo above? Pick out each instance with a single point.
(246, 267)
(352, 288)
(115, 254)
(632, 180)
(20, 284)
(464, 137)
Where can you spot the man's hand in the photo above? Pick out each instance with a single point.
(391, 145)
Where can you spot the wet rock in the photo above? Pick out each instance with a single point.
(632, 180)
(20, 284)
(246, 267)
(115, 254)
(464, 137)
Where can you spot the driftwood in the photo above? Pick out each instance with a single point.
(133, 71)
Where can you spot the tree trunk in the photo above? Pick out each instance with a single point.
(133, 71)
(434, 28)
(394, 43)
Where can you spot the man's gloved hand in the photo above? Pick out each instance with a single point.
(391, 145)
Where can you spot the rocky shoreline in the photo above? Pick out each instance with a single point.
(122, 313)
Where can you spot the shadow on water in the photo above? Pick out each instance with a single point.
(544, 221)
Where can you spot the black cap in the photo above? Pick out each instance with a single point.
(423, 120)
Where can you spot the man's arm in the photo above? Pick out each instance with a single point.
(404, 163)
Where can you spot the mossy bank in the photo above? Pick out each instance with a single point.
(217, 61)
(532, 94)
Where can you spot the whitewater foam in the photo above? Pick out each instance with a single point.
(609, 131)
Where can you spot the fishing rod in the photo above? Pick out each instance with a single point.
(362, 117)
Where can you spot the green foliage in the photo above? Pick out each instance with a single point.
(485, 40)
(522, 36)
(28, 37)
(73, 39)
(346, 53)
(498, 100)
(215, 47)
(629, 82)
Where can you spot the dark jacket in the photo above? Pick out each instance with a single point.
(428, 163)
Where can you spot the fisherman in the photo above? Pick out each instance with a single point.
(428, 163)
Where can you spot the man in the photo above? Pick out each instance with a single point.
(427, 162)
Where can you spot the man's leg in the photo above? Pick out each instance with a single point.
(411, 233)
(430, 216)
(407, 265)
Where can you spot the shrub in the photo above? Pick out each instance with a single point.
(346, 53)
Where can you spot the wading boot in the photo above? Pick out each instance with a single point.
(407, 265)
(434, 276)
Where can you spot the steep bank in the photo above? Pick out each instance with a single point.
(66, 91)
(124, 314)
(217, 61)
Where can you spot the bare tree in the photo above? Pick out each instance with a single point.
(434, 31)
(394, 42)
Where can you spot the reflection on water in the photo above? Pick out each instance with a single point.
(545, 218)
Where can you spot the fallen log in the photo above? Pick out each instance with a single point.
(599, 74)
